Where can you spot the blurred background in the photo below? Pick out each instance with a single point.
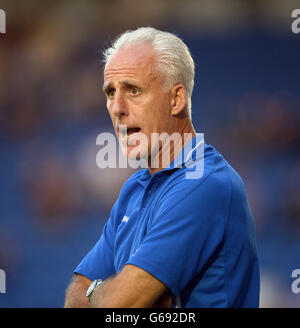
(53, 198)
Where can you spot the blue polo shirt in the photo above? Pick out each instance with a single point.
(196, 235)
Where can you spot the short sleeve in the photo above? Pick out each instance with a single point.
(99, 263)
(184, 234)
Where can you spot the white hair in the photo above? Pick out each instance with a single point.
(172, 54)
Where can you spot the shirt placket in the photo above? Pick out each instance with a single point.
(142, 216)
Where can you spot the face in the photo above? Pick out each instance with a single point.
(136, 98)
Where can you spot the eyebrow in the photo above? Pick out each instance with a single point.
(125, 83)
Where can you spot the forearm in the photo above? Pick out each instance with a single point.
(76, 293)
(103, 295)
(106, 295)
(132, 288)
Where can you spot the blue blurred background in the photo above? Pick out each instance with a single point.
(53, 198)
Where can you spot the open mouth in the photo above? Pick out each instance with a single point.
(132, 131)
(125, 131)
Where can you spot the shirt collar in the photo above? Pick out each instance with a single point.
(189, 153)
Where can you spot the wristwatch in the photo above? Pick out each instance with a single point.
(92, 287)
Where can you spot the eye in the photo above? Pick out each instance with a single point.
(134, 91)
(110, 93)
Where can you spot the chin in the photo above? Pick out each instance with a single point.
(137, 153)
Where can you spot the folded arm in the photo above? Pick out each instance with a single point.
(131, 288)
(75, 294)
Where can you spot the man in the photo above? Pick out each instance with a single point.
(170, 240)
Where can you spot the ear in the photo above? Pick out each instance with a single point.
(178, 99)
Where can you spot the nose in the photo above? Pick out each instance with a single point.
(119, 106)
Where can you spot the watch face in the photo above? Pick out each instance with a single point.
(91, 288)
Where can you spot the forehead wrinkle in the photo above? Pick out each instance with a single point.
(125, 74)
(142, 70)
(123, 82)
(128, 72)
(129, 69)
(118, 73)
(120, 67)
(108, 83)
(128, 65)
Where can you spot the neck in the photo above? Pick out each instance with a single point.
(172, 144)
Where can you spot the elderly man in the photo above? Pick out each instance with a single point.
(170, 240)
